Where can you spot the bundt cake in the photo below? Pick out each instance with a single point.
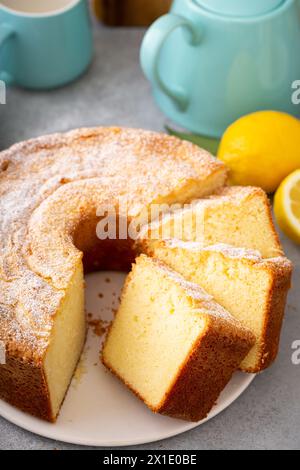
(239, 216)
(251, 288)
(53, 191)
(171, 343)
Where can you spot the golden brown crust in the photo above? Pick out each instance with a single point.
(206, 372)
(280, 275)
(23, 384)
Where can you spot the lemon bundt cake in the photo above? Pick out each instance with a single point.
(51, 190)
(171, 343)
(239, 216)
(251, 288)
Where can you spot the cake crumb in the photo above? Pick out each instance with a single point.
(98, 325)
(114, 311)
(100, 295)
(107, 280)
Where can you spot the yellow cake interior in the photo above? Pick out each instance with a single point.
(67, 340)
(152, 307)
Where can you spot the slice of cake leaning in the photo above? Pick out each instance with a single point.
(239, 216)
(251, 288)
(172, 344)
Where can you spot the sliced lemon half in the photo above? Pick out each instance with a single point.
(287, 206)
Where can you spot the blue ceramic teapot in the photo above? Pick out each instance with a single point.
(212, 61)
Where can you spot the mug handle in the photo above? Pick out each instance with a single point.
(6, 31)
(152, 44)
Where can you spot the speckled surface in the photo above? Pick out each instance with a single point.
(114, 92)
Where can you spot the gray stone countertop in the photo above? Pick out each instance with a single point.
(114, 92)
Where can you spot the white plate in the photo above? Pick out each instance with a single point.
(98, 409)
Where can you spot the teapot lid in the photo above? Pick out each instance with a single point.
(241, 8)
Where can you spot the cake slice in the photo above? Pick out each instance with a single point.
(172, 344)
(251, 288)
(239, 216)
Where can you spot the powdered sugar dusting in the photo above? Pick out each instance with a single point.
(228, 250)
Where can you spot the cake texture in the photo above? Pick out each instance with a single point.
(171, 343)
(52, 189)
(236, 215)
(251, 288)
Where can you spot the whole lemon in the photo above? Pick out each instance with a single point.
(261, 149)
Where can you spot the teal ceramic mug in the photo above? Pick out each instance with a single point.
(212, 61)
(44, 43)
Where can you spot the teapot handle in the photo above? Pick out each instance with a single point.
(6, 31)
(152, 44)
